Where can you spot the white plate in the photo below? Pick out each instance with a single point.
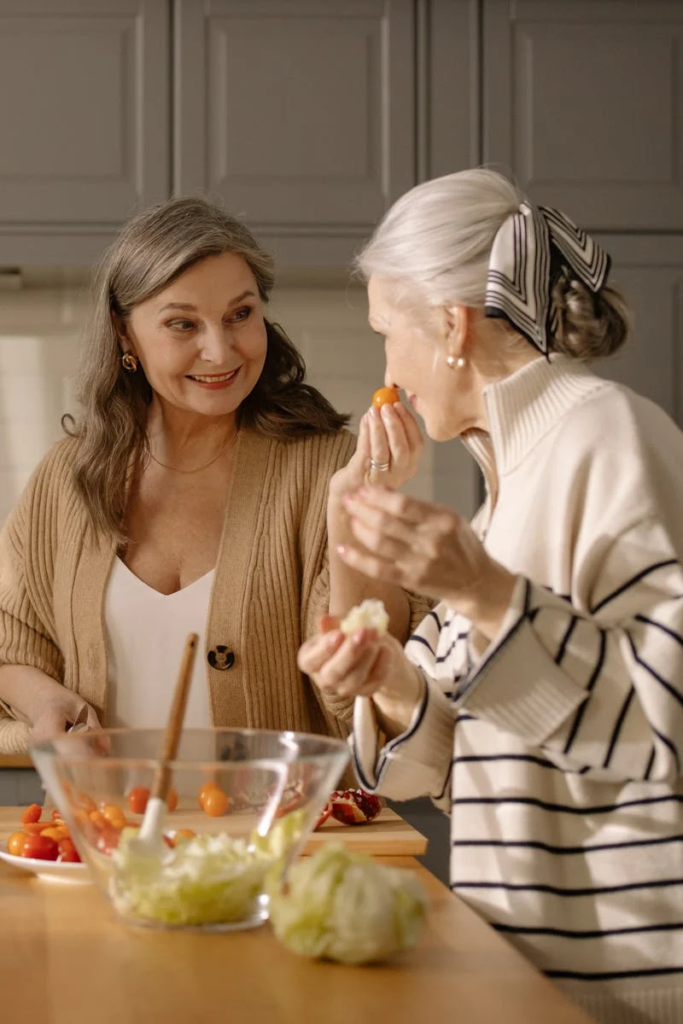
(53, 870)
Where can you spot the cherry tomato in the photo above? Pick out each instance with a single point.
(53, 833)
(172, 799)
(137, 799)
(115, 816)
(15, 843)
(385, 396)
(57, 817)
(208, 787)
(31, 814)
(108, 838)
(68, 852)
(215, 802)
(40, 848)
(97, 818)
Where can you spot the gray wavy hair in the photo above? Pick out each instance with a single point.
(434, 246)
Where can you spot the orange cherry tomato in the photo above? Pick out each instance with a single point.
(207, 788)
(40, 848)
(137, 799)
(172, 799)
(97, 818)
(115, 816)
(15, 843)
(31, 814)
(215, 802)
(57, 817)
(385, 396)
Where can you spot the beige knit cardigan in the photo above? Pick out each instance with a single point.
(271, 585)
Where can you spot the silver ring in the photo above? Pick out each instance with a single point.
(380, 467)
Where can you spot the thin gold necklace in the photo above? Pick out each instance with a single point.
(188, 472)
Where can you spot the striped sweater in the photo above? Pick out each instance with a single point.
(557, 747)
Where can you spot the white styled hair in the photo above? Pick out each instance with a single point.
(433, 248)
(434, 243)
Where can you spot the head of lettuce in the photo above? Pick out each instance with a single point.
(344, 906)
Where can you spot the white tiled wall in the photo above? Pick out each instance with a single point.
(40, 336)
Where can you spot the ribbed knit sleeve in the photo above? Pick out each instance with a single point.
(324, 458)
(599, 692)
(27, 630)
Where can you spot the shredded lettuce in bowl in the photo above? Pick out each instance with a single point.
(207, 880)
(344, 906)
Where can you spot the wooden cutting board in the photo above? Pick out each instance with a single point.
(387, 836)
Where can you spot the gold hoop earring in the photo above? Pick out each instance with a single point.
(453, 362)
(129, 362)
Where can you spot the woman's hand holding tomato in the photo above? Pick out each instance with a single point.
(388, 433)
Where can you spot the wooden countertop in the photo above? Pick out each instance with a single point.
(66, 960)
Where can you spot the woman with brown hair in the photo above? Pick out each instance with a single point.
(191, 495)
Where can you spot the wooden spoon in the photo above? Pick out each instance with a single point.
(148, 839)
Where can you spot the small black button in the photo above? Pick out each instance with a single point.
(221, 657)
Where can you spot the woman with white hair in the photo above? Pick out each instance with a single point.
(541, 702)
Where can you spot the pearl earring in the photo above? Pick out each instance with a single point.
(453, 362)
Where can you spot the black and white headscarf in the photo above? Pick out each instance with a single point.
(529, 252)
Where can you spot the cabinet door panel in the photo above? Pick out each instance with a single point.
(583, 103)
(649, 271)
(84, 120)
(303, 121)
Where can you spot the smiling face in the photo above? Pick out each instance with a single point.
(447, 399)
(202, 340)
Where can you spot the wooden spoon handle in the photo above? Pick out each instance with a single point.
(162, 778)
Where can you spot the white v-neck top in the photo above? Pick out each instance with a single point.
(146, 633)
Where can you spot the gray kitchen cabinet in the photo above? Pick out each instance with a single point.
(583, 103)
(448, 90)
(84, 122)
(649, 272)
(299, 116)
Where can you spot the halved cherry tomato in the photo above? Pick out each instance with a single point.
(172, 799)
(215, 802)
(53, 832)
(385, 396)
(15, 843)
(137, 799)
(184, 833)
(31, 814)
(40, 848)
(68, 852)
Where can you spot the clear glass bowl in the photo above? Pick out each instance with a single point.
(265, 789)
